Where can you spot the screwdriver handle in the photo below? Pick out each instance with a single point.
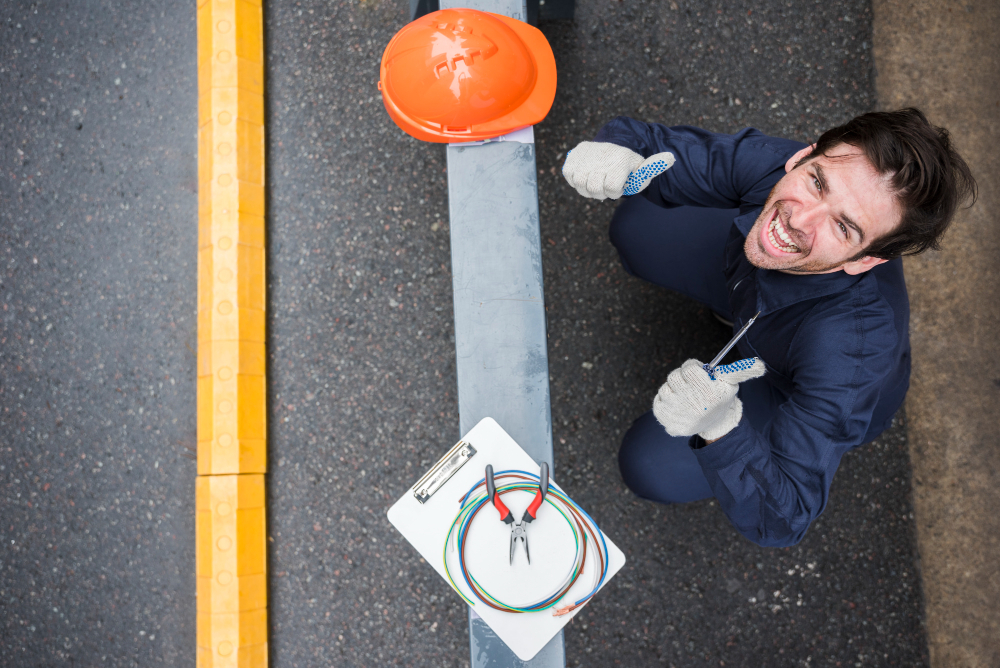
(543, 489)
(710, 367)
(491, 491)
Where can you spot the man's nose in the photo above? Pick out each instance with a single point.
(810, 217)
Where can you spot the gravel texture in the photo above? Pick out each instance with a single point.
(98, 240)
(361, 356)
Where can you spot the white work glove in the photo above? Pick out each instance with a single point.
(601, 170)
(692, 402)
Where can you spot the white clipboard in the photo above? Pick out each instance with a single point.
(425, 525)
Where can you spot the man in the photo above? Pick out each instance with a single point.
(810, 237)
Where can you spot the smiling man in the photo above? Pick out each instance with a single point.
(811, 237)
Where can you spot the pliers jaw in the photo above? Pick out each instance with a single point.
(518, 532)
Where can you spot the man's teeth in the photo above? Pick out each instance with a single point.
(777, 230)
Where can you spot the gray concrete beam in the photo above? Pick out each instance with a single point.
(500, 342)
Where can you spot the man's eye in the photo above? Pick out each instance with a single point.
(843, 229)
(817, 183)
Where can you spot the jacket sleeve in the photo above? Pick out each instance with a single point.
(711, 170)
(773, 482)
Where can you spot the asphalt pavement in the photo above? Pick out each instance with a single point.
(97, 364)
(98, 235)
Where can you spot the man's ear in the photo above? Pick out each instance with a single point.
(794, 160)
(860, 266)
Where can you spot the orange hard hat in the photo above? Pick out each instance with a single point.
(462, 75)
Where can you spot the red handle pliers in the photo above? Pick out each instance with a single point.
(518, 530)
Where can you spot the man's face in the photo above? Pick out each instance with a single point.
(822, 214)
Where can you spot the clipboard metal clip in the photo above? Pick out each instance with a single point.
(446, 467)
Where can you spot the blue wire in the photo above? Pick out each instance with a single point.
(464, 527)
(534, 476)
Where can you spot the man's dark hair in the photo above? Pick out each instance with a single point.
(928, 178)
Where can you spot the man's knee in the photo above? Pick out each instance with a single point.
(659, 467)
(633, 471)
(637, 460)
(623, 235)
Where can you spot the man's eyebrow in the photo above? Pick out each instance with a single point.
(844, 218)
(821, 177)
(854, 226)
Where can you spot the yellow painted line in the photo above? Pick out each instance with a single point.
(232, 410)
(231, 565)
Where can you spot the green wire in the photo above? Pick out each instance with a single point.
(467, 508)
(481, 589)
(555, 600)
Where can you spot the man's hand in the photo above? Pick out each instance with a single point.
(692, 402)
(601, 170)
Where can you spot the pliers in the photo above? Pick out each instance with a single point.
(518, 530)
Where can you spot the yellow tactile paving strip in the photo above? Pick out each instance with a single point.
(232, 417)
(231, 568)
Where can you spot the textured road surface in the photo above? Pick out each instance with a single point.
(98, 201)
(98, 230)
(954, 324)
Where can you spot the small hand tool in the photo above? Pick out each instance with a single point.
(518, 530)
(710, 367)
(543, 488)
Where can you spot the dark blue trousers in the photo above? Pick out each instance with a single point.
(680, 249)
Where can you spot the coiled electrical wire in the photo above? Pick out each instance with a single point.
(585, 533)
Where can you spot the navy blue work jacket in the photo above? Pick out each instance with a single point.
(836, 346)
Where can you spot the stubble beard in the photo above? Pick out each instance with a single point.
(758, 256)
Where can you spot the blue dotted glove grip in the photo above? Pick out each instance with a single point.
(638, 179)
(739, 365)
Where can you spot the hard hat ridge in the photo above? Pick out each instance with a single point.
(462, 75)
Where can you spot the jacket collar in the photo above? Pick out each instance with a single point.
(777, 290)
